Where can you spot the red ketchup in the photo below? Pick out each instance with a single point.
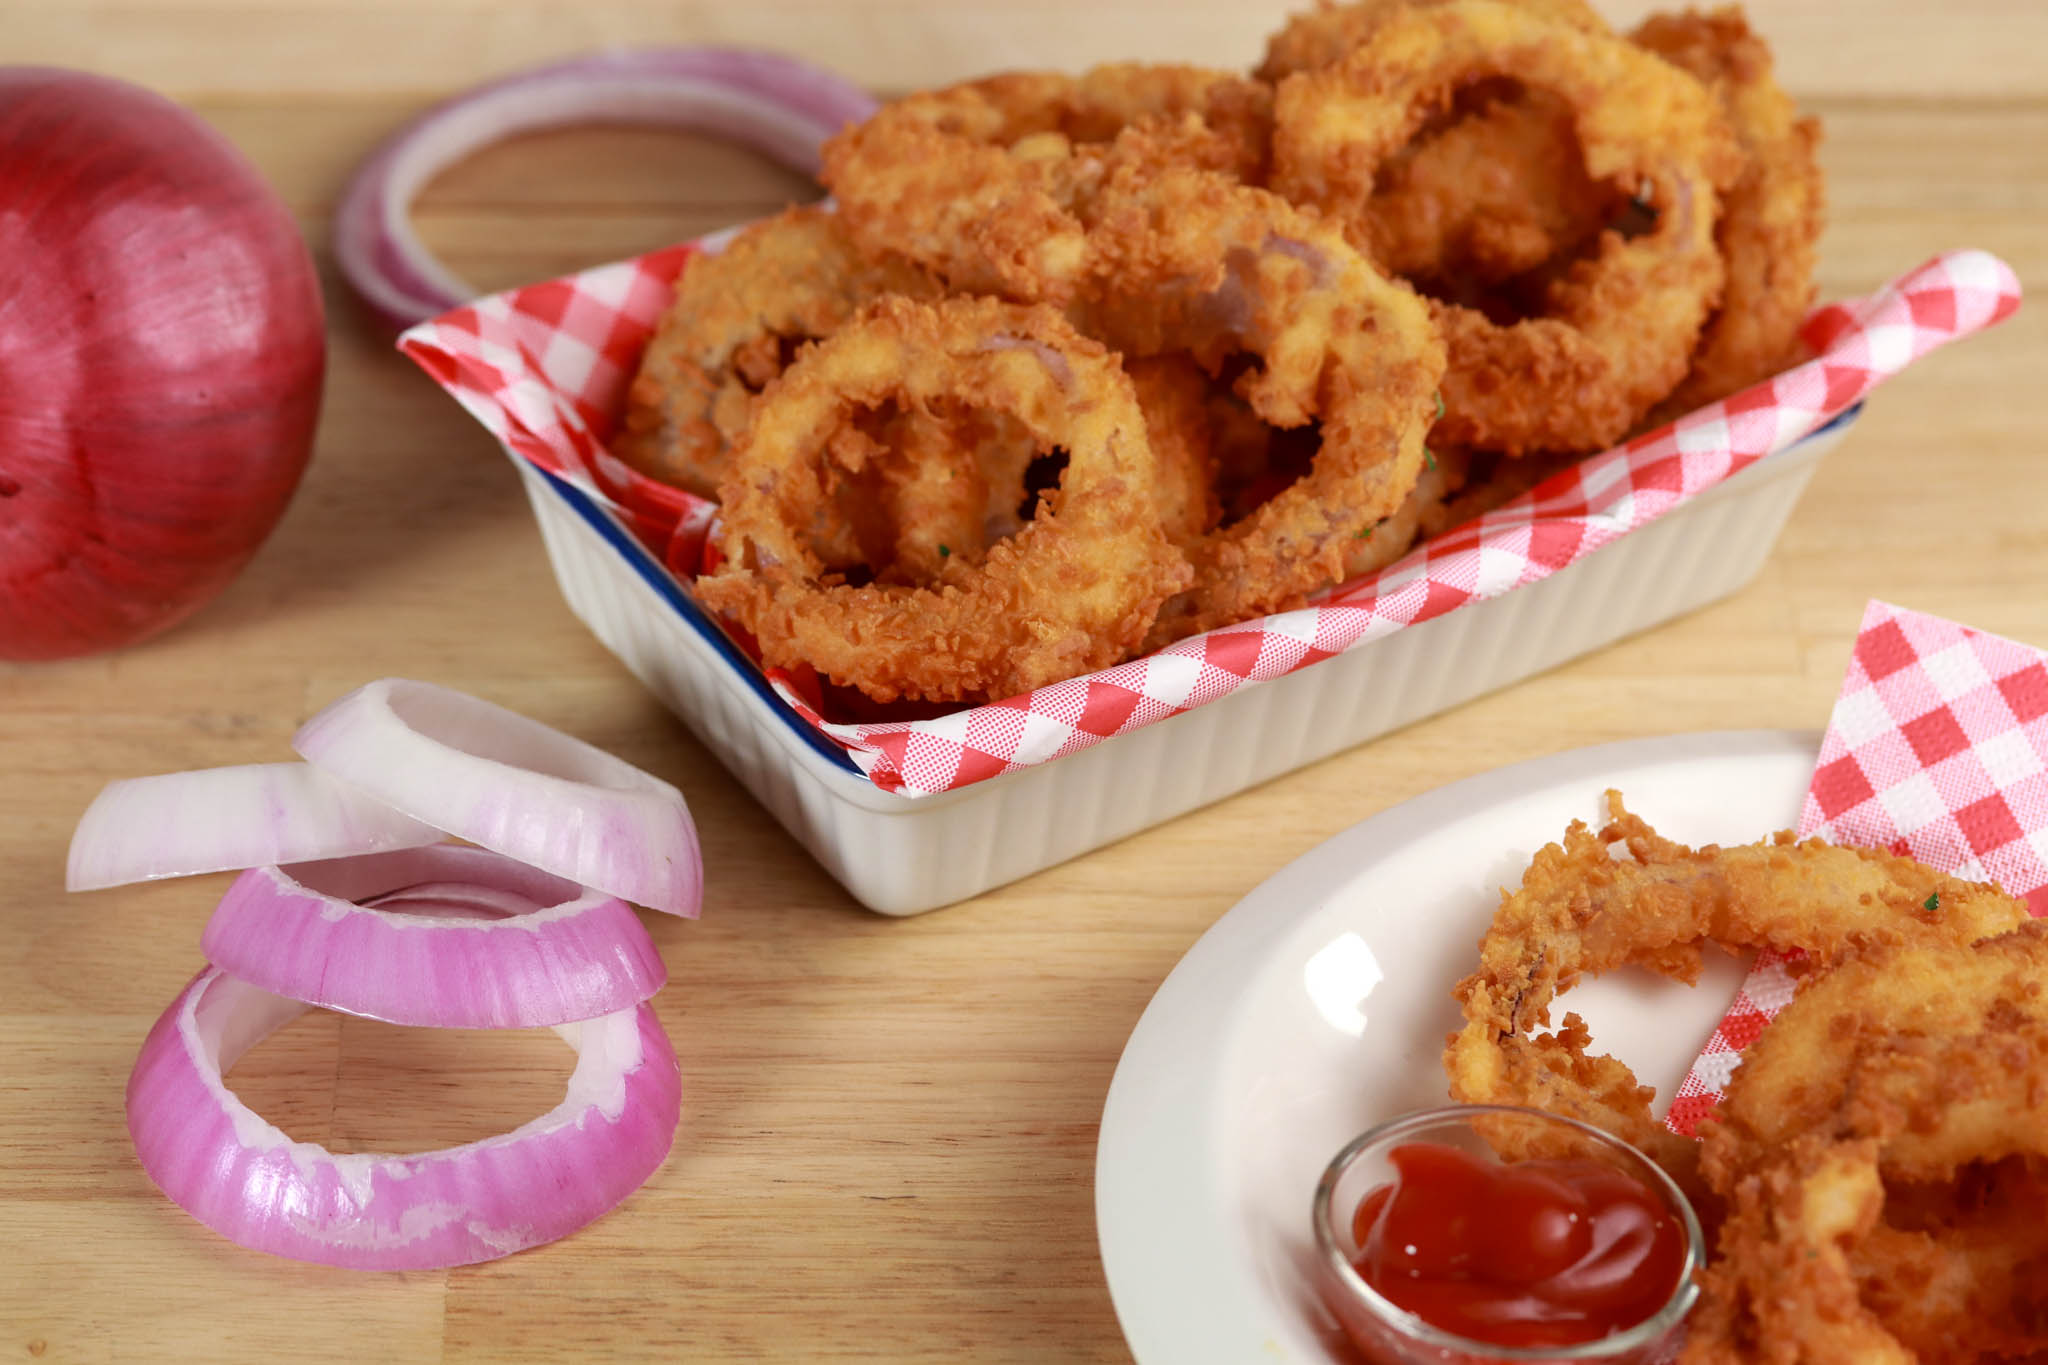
(1538, 1253)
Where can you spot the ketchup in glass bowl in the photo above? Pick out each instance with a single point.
(1431, 1248)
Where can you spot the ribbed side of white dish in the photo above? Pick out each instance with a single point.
(902, 857)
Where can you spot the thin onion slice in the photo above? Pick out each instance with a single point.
(497, 778)
(244, 1178)
(224, 819)
(777, 105)
(452, 937)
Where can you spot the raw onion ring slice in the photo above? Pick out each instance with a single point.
(222, 819)
(779, 106)
(452, 937)
(496, 778)
(244, 1178)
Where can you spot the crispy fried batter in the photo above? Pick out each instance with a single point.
(1173, 393)
(1771, 218)
(1493, 186)
(1782, 1290)
(738, 315)
(1942, 1047)
(1327, 34)
(1582, 909)
(986, 183)
(1883, 1150)
(1074, 590)
(1200, 264)
(1618, 329)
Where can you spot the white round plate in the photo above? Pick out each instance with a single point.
(1319, 1004)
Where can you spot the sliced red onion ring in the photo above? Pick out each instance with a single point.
(454, 937)
(496, 778)
(777, 105)
(248, 1181)
(220, 819)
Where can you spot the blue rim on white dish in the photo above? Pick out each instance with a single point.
(698, 620)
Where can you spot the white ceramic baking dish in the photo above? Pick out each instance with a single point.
(901, 856)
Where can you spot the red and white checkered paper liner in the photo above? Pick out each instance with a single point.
(1937, 749)
(545, 369)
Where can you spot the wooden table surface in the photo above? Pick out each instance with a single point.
(889, 1134)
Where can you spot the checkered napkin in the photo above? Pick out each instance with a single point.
(545, 369)
(1937, 749)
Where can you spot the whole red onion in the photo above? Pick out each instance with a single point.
(161, 355)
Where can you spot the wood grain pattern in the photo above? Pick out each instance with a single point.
(285, 48)
(889, 1126)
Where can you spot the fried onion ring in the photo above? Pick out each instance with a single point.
(1496, 194)
(1582, 910)
(1196, 262)
(1883, 1149)
(1917, 1044)
(1074, 590)
(1497, 189)
(1173, 393)
(1443, 475)
(923, 487)
(1619, 328)
(1771, 218)
(737, 318)
(985, 183)
(1327, 34)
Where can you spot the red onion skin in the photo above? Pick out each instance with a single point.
(162, 346)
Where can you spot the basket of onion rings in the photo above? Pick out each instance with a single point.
(1243, 400)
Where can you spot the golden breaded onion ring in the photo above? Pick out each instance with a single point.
(1496, 191)
(1074, 590)
(1582, 910)
(1771, 218)
(1619, 328)
(1883, 1153)
(985, 182)
(929, 484)
(736, 313)
(1940, 1048)
(1196, 262)
(1326, 35)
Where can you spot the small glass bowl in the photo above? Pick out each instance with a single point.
(1390, 1335)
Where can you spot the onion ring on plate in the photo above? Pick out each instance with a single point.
(1939, 1048)
(248, 1181)
(442, 937)
(1493, 187)
(781, 107)
(1874, 1147)
(1582, 910)
(1074, 590)
(224, 819)
(985, 183)
(1771, 218)
(496, 778)
(1620, 327)
(1196, 262)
